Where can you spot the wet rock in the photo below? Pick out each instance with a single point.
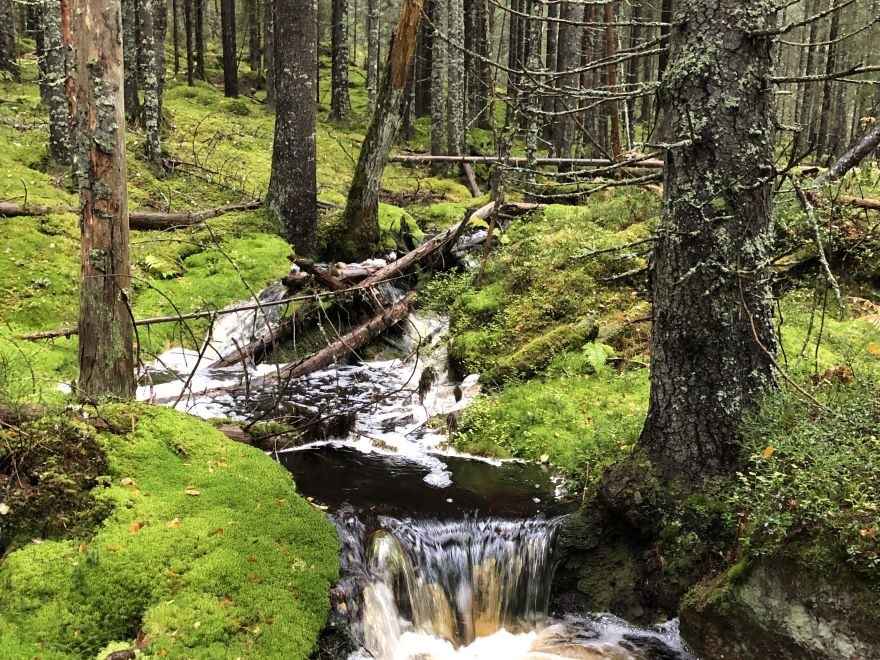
(781, 609)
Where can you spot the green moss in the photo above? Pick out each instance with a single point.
(208, 550)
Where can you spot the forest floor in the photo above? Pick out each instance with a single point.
(554, 392)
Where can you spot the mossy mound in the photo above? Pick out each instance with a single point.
(207, 552)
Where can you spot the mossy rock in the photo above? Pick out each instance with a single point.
(781, 608)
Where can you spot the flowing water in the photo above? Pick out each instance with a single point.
(443, 555)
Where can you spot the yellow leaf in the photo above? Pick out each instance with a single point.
(282, 501)
(767, 453)
(873, 348)
(192, 492)
(172, 574)
(82, 547)
(127, 481)
(134, 527)
(544, 458)
(870, 533)
(174, 522)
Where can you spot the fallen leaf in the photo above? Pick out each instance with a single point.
(127, 481)
(174, 522)
(192, 492)
(4, 508)
(870, 533)
(172, 574)
(873, 348)
(282, 501)
(544, 458)
(197, 624)
(134, 527)
(251, 560)
(82, 547)
(767, 453)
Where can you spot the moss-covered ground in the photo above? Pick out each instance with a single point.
(205, 550)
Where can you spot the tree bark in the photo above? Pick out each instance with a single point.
(188, 30)
(269, 49)
(340, 104)
(230, 54)
(199, 39)
(255, 53)
(439, 71)
(130, 49)
(372, 53)
(362, 206)
(148, 46)
(175, 34)
(455, 97)
(864, 147)
(713, 338)
(292, 197)
(610, 18)
(53, 83)
(8, 50)
(568, 58)
(825, 117)
(106, 360)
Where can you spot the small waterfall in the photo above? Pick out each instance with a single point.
(452, 581)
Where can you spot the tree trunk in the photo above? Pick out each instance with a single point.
(550, 64)
(106, 361)
(230, 54)
(8, 51)
(188, 29)
(255, 55)
(372, 52)
(148, 63)
(269, 49)
(568, 58)
(666, 10)
(53, 84)
(825, 117)
(130, 49)
(292, 198)
(340, 105)
(713, 338)
(199, 39)
(423, 69)
(455, 97)
(807, 93)
(175, 34)
(362, 207)
(439, 71)
(610, 17)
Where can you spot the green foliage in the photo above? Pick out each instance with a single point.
(208, 551)
(814, 472)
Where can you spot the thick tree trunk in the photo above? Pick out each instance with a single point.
(340, 104)
(149, 64)
(230, 54)
(292, 198)
(362, 206)
(712, 339)
(269, 49)
(456, 97)
(8, 51)
(106, 362)
(53, 83)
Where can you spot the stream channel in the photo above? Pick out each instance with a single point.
(443, 555)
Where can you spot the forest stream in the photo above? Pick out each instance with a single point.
(444, 555)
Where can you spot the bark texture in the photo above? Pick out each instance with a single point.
(53, 82)
(269, 49)
(456, 96)
(567, 59)
(230, 59)
(340, 104)
(712, 336)
(8, 54)
(152, 40)
(372, 52)
(292, 196)
(362, 206)
(106, 363)
(439, 70)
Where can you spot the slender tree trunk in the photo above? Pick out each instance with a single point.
(106, 361)
(610, 18)
(199, 39)
(825, 117)
(568, 58)
(188, 29)
(513, 63)
(666, 9)
(632, 67)
(8, 50)
(423, 68)
(230, 53)
(455, 96)
(53, 84)
(292, 197)
(175, 34)
(712, 338)
(362, 207)
(255, 55)
(340, 104)
(269, 49)
(807, 90)
(148, 65)
(130, 48)
(439, 71)
(550, 64)
(372, 52)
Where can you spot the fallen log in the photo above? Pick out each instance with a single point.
(140, 220)
(518, 161)
(350, 341)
